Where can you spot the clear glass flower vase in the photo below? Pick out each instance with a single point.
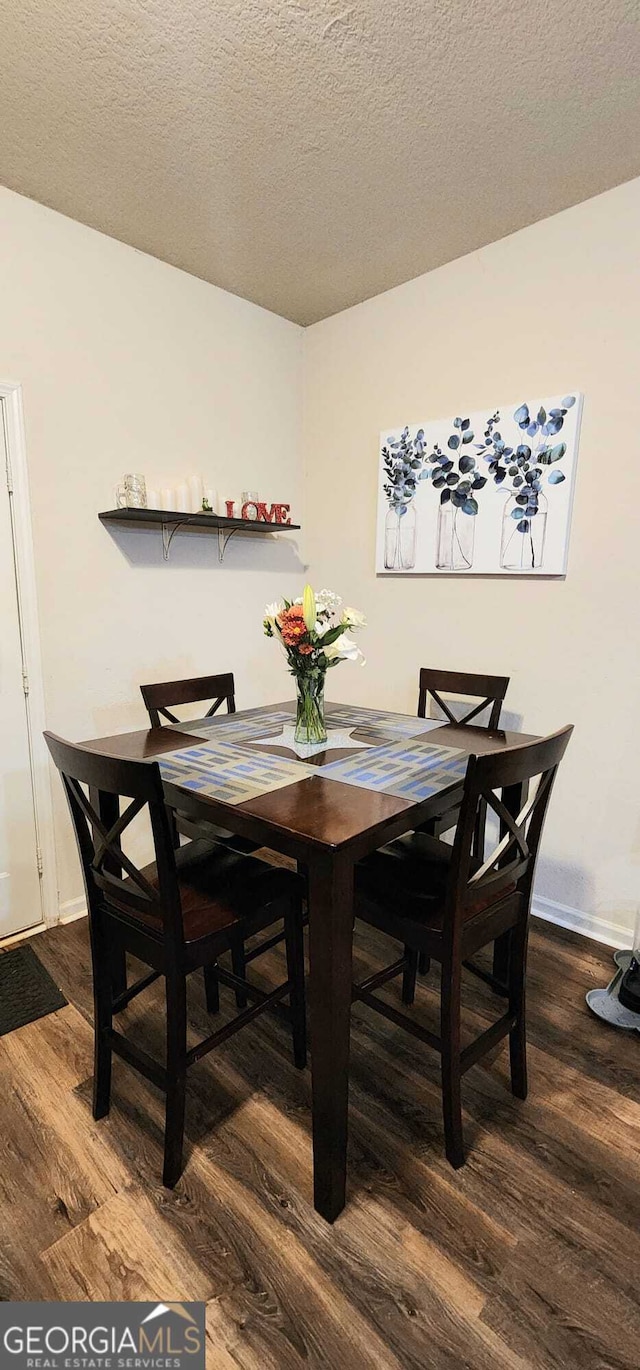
(523, 536)
(400, 538)
(455, 538)
(310, 724)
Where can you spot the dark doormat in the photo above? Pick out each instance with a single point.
(27, 991)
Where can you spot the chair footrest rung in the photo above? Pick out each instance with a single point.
(268, 943)
(125, 998)
(233, 981)
(265, 1001)
(487, 1040)
(136, 1057)
(485, 975)
(394, 1016)
(382, 976)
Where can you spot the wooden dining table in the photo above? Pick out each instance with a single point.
(326, 824)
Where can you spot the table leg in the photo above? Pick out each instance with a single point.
(513, 798)
(330, 954)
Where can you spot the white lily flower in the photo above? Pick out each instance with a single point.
(309, 608)
(353, 618)
(272, 610)
(344, 649)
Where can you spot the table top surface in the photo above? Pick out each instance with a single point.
(317, 810)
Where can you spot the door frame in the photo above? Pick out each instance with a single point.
(20, 505)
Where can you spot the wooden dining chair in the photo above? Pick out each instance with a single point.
(444, 901)
(176, 915)
(219, 689)
(490, 691)
(161, 697)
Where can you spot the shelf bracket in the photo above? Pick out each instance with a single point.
(168, 534)
(224, 539)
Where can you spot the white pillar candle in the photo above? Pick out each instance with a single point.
(168, 498)
(195, 494)
(182, 505)
(153, 500)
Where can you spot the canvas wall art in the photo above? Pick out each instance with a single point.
(488, 493)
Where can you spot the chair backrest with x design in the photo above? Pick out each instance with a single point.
(158, 698)
(94, 786)
(528, 771)
(490, 690)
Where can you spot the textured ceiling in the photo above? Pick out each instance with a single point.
(307, 154)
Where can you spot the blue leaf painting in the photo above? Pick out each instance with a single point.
(522, 473)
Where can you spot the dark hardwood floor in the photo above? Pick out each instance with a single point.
(529, 1256)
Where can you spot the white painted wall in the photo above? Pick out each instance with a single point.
(552, 308)
(130, 365)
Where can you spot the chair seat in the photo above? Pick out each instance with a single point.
(220, 889)
(409, 877)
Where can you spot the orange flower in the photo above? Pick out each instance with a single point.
(292, 626)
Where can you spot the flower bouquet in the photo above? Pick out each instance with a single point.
(313, 630)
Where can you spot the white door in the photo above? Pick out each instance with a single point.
(20, 898)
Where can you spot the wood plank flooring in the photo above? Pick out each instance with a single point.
(527, 1257)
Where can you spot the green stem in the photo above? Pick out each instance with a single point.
(310, 724)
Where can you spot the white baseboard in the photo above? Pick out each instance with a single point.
(72, 909)
(598, 929)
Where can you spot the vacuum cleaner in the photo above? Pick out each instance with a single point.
(619, 1003)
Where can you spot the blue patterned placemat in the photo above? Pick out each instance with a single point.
(230, 773)
(235, 727)
(397, 725)
(411, 770)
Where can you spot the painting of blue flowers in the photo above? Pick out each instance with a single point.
(486, 493)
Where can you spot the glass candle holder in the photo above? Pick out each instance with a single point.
(250, 504)
(135, 491)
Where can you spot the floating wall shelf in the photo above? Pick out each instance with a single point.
(171, 522)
